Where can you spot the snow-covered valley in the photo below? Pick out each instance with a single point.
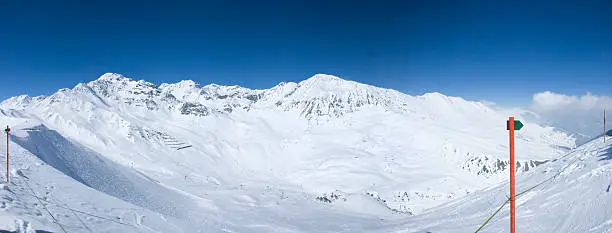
(322, 155)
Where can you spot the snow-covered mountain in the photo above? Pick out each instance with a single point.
(325, 145)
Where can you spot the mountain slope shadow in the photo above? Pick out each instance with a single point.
(92, 169)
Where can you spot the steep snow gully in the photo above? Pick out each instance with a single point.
(321, 155)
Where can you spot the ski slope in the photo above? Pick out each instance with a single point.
(37, 191)
(571, 194)
(322, 155)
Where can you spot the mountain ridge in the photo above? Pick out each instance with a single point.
(319, 99)
(319, 95)
(121, 80)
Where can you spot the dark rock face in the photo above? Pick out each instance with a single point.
(194, 109)
(254, 97)
(482, 165)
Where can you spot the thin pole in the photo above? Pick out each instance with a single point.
(7, 153)
(512, 178)
(604, 134)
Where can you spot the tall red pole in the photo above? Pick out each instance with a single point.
(512, 178)
(7, 153)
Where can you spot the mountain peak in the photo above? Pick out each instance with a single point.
(326, 77)
(112, 77)
(434, 96)
(327, 83)
(17, 101)
(188, 83)
(323, 78)
(120, 81)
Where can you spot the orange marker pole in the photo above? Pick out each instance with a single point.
(7, 153)
(512, 178)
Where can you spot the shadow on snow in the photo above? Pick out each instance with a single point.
(607, 155)
(94, 170)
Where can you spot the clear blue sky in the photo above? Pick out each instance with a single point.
(502, 51)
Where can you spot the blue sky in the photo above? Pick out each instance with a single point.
(501, 51)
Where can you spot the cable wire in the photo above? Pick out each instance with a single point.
(45, 207)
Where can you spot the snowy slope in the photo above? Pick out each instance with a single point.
(325, 145)
(574, 195)
(41, 198)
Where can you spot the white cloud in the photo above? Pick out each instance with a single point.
(551, 101)
(581, 114)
